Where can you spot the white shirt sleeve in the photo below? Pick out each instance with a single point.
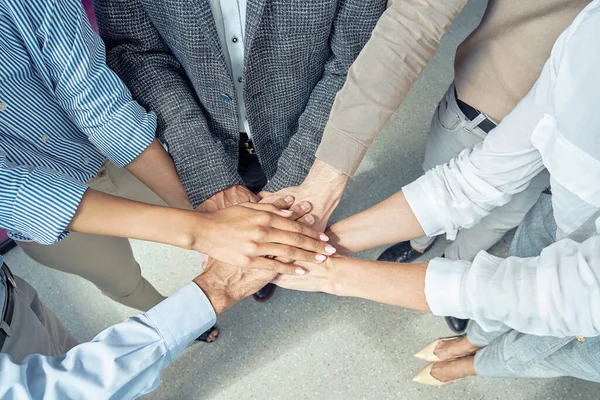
(557, 293)
(122, 362)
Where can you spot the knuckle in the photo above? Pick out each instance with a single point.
(289, 251)
(297, 238)
(252, 247)
(260, 232)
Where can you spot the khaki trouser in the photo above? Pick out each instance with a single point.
(450, 133)
(105, 261)
(34, 328)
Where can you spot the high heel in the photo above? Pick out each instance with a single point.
(424, 377)
(427, 352)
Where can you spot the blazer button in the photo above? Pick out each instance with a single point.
(2, 106)
(226, 98)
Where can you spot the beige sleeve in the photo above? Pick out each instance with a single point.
(406, 37)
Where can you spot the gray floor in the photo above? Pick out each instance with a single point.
(309, 346)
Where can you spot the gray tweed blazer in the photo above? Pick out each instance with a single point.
(297, 56)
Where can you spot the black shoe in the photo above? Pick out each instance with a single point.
(265, 293)
(204, 336)
(457, 325)
(401, 252)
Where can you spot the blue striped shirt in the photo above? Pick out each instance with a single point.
(63, 112)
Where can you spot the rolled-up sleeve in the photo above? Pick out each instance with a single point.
(89, 92)
(555, 294)
(35, 203)
(403, 42)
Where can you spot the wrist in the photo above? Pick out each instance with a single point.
(323, 171)
(337, 277)
(215, 291)
(325, 182)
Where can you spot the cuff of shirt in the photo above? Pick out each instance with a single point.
(340, 150)
(418, 194)
(45, 205)
(445, 282)
(126, 136)
(183, 317)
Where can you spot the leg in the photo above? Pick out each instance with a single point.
(107, 262)
(518, 355)
(537, 231)
(34, 328)
(492, 228)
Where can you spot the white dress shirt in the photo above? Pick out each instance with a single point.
(230, 19)
(557, 127)
(122, 362)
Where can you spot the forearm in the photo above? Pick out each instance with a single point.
(405, 38)
(155, 168)
(103, 214)
(400, 285)
(390, 221)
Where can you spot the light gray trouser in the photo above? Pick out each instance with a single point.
(507, 353)
(34, 328)
(450, 133)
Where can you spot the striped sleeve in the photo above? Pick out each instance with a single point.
(89, 92)
(37, 204)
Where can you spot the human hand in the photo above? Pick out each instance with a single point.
(318, 278)
(225, 284)
(231, 196)
(245, 234)
(323, 187)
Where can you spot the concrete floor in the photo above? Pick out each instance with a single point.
(309, 346)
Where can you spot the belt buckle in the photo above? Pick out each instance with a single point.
(10, 279)
(249, 146)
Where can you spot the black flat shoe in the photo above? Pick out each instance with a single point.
(204, 336)
(265, 293)
(401, 253)
(457, 325)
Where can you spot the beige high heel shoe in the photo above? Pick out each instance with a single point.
(424, 377)
(427, 352)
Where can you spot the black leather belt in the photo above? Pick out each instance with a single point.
(9, 302)
(471, 113)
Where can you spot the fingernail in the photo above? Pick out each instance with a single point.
(324, 237)
(287, 212)
(305, 206)
(309, 219)
(320, 257)
(330, 250)
(288, 199)
(300, 271)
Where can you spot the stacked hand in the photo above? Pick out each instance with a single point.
(323, 188)
(226, 284)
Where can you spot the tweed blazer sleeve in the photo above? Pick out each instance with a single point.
(156, 79)
(351, 30)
